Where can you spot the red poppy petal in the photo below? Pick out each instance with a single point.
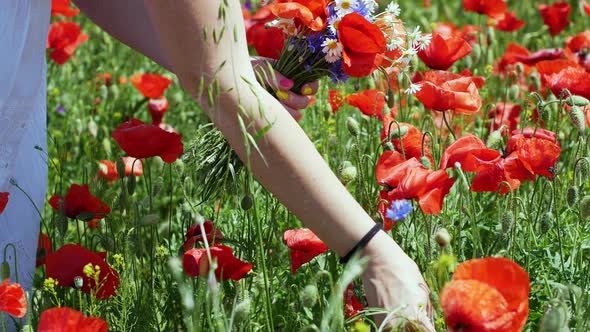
(142, 140)
(3, 201)
(69, 320)
(12, 299)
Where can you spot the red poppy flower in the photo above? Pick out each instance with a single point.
(392, 167)
(62, 7)
(511, 57)
(194, 235)
(311, 13)
(469, 151)
(150, 85)
(3, 201)
(304, 245)
(491, 8)
(426, 186)
(196, 263)
(439, 94)
(509, 23)
(556, 16)
(541, 55)
(448, 29)
(578, 49)
(69, 320)
(268, 41)
(486, 294)
(335, 99)
(104, 78)
(158, 107)
(63, 39)
(108, 169)
(68, 263)
(351, 304)
(369, 102)
(586, 7)
(444, 51)
(142, 140)
(537, 149)
(363, 45)
(411, 142)
(549, 67)
(12, 299)
(575, 79)
(507, 114)
(80, 204)
(43, 249)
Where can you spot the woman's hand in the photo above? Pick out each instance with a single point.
(393, 281)
(293, 102)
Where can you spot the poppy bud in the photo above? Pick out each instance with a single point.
(585, 207)
(507, 221)
(513, 92)
(108, 243)
(158, 184)
(131, 181)
(242, 311)
(536, 81)
(425, 162)
(494, 140)
(582, 168)
(5, 270)
(573, 194)
(546, 221)
(577, 117)
(519, 68)
(577, 101)
(353, 126)
(120, 164)
(388, 146)
(247, 202)
(442, 237)
(78, 282)
(476, 52)
(347, 172)
(309, 296)
(390, 100)
(555, 318)
(398, 132)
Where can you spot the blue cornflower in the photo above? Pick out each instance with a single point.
(399, 210)
(337, 73)
(363, 9)
(314, 42)
(60, 109)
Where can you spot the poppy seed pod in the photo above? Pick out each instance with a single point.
(507, 221)
(494, 140)
(353, 126)
(577, 117)
(582, 168)
(390, 98)
(585, 207)
(442, 237)
(513, 92)
(398, 132)
(388, 146)
(573, 194)
(546, 222)
(309, 296)
(425, 162)
(347, 172)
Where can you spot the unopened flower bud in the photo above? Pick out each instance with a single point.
(585, 207)
(78, 282)
(573, 194)
(347, 172)
(425, 162)
(398, 132)
(442, 237)
(582, 168)
(519, 68)
(131, 182)
(577, 101)
(494, 140)
(390, 98)
(247, 202)
(555, 318)
(577, 118)
(353, 126)
(546, 222)
(242, 311)
(120, 168)
(5, 270)
(514, 91)
(476, 52)
(536, 81)
(507, 221)
(309, 296)
(388, 146)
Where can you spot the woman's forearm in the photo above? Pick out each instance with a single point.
(202, 47)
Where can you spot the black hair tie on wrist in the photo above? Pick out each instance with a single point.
(362, 243)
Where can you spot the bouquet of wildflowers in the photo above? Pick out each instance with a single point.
(342, 39)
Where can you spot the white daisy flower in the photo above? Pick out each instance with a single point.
(333, 23)
(344, 7)
(393, 9)
(413, 88)
(333, 50)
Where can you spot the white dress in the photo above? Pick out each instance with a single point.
(23, 132)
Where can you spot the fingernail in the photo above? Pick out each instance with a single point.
(307, 91)
(282, 95)
(286, 83)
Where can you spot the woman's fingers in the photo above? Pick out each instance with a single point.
(290, 99)
(310, 88)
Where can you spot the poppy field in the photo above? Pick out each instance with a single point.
(460, 126)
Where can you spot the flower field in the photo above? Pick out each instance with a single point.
(460, 126)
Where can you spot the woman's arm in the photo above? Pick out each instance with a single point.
(200, 45)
